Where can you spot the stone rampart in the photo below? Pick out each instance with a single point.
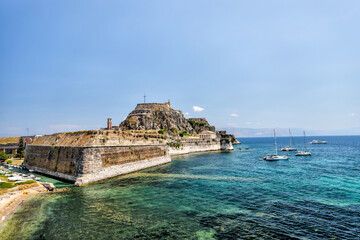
(191, 145)
(84, 165)
(153, 106)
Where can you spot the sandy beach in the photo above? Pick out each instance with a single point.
(10, 200)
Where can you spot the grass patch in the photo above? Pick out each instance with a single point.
(6, 185)
(27, 182)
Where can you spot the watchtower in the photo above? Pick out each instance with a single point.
(109, 123)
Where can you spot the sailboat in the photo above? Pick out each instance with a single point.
(275, 157)
(305, 152)
(289, 148)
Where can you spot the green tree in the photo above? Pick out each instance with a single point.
(3, 156)
(21, 149)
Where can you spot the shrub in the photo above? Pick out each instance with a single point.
(3, 156)
(161, 131)
(9, 162)
(184, 133)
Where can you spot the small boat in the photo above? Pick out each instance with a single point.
(302, 153)
(30, 170)
(318, 142)
(289, 148)
(275, 157)
(15, 179)
(305, 152)
(37, 178)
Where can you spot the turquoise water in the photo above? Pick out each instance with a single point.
(211, 196)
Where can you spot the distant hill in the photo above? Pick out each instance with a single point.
(269, 132)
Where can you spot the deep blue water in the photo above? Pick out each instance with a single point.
(211, 196)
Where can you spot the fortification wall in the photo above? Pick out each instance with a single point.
(84, 165)
(153, 106)
(192, 145)
(185, 146)
(55, 161)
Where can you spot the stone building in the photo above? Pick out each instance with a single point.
(207, 135)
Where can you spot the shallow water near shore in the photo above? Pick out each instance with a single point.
(210, 196)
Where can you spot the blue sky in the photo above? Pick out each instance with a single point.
(68, 65)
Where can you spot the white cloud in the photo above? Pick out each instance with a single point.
(198, 109)
(234, 115)
(187, 113)
(248, 123)
(353, 114)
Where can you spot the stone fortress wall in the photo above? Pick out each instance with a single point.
(83, 165)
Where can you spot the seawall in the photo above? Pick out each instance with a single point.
(185, 146)
(83, 165)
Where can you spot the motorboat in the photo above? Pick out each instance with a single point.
(318, 142)
(275, 157)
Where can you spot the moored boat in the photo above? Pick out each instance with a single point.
(275, 157)
(318, 142)
(305, 152)
(289, 148)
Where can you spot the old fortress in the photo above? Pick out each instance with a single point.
(148, 137)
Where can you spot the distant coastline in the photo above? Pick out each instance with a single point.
(284, 132)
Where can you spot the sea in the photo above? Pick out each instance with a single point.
(218, 195)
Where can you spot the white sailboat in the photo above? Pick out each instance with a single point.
(318, 142)
(305, 152)
(289, 148)
(275, 157)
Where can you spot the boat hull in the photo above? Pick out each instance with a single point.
(288, 149)
(275, 158)
(303, 154)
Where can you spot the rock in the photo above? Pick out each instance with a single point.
(159, 116)
(48, 186)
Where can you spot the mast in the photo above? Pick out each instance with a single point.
(290, 136)
(304, 141)
(275, 142)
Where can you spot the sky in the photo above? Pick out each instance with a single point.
(68, 65)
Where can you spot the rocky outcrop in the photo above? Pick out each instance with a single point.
(157, 116)
(49, 186)
(200, 124)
